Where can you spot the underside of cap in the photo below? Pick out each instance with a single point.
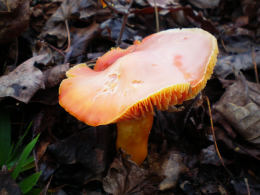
(165, 69)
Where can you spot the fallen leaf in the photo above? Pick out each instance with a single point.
(54, 75)
(169, 167)
(242, 21)
(233, 63)
(111, 28)
(246, 120)
(8, 185)
(41, 12)
(24, 81)
(163, 3)
(14, 19)
(205, 4)
(240, 106)
(126, 177)
(244, 149)
(209, 156)
(87, 152)
(80, 38)
(241, 187)
(55, 26)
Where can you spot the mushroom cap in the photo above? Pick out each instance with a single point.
(165, 69)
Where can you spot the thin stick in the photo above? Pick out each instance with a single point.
(7, 5)
(113, 8)
(247, 186)
(125, 17)
(156, 16)
(16, 51)
(118, 42)
(255, 66)
(224, 46)
(68, 35)
(54, 48)
(214, 138)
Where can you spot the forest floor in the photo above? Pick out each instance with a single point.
(41, 39)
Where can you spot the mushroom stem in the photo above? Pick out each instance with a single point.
(132, 137)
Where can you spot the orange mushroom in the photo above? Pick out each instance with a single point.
(164, 69)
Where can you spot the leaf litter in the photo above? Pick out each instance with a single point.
(77, 159)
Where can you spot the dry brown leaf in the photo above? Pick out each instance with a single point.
(53, 76)
(203, 4)
(14, 19)
(55, 26)
(171, 168)
(163, 3)
(126, 177)
(228, 64)
(24, 81)
(240, 106)
(246, 119)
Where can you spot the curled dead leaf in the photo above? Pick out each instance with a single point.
(246, 119)
(126, 177)
(172, 166)
(55, 26)
(53, 76)
(24, 81)
(240, 107)
(243, 61)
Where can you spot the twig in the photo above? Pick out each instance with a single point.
(223, 45)
(68, 35)
(114, 9)
(7, 5)
(124, 20)
(54, 48)
(190, 109)
(16, 52)
(242, 78)
(156, 16)
(214, 138)
(247, 186)
(255, 66)
(118, 42)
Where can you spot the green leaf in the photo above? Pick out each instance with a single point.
(26, 152)
(5, 136)
(34, 191)
(14, 154)
(28, 183)
(28, 164)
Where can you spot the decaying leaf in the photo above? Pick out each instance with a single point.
(111, 28)
(209, 156)
(126, 177)
(80, 38)
(8, 185)
(169, 167)
(203, 4)
(233, 63)
(241, 92)
(92, 150)
(24, 81)
(246, 119)
(55, 26)
(240, 106)
(14, 18)
(53, 76)
(244, 149)
(163, 3)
